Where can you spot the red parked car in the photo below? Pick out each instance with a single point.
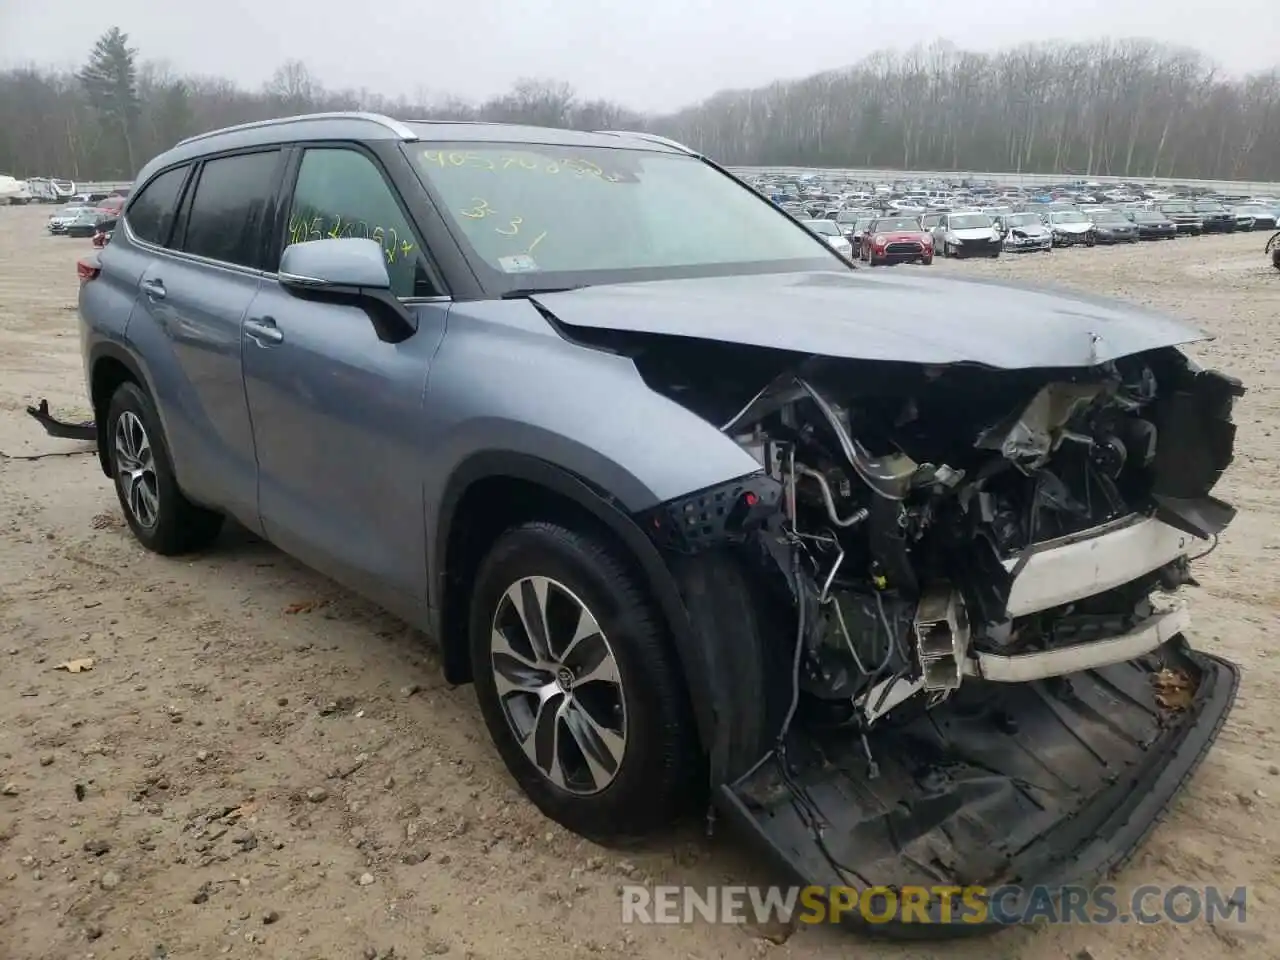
(102, 233)
(110, 206)
(896, 240)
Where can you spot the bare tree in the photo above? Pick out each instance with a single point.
(1128, 108)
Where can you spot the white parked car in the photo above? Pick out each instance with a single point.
(1026, 231)
(829, 231)
(965, 234)
(1070, 227)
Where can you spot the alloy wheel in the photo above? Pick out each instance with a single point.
(559, 685)
(136, 469)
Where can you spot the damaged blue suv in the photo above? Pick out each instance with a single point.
(707, 515)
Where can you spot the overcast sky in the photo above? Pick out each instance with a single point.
(650, 54)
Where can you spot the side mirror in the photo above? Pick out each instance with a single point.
(348, 270)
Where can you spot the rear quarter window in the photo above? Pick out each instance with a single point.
(152, 211)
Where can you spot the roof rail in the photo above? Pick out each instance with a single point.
(395, 126)
(652, 138)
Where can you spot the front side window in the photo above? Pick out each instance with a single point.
(341, 193)
(151, 213)
(225, 219)
(534, 216)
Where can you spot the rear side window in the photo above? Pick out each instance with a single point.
(225, 217)
(151, 213)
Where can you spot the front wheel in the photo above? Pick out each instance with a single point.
(577, 684)
(160, 516)
(927, 260)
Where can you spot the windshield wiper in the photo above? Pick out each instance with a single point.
(523, 293)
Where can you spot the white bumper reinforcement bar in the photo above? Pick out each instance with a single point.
(1098, 560)
(1024, 667)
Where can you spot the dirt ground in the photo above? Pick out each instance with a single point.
(259, 764)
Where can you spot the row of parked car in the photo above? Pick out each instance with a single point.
(891, 236)
(87, 218)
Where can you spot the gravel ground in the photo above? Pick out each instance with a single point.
(261, 764)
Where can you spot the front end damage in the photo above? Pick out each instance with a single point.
(967, 587)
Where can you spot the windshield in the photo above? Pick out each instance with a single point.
(827, 228)
(1023, 220)
(1205, 206)
(969, 221)
(541, 216)
(1068, 216)
(1144, 216)
(896, 223)
(1111, 217)
(1177, 208)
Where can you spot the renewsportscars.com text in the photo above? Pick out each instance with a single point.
(1005, 905)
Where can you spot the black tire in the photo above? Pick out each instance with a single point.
(178, 525)
(660, 764)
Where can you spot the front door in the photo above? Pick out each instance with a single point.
(336, 412)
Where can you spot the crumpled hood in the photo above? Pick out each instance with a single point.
(880, 315)
(1073, 227)
(972, 233)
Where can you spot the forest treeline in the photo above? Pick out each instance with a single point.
(1118, 108)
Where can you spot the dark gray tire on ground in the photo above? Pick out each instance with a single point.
(160, 516)
(645, 714)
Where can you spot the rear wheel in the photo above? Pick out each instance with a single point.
(577, 684)
(160, 516)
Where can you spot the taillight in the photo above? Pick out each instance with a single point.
(87, 269)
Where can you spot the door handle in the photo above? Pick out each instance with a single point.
(263, 331)
(153, 289)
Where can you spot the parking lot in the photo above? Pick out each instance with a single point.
(259, 764)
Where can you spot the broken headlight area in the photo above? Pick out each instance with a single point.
(949, 522)
(983, 570)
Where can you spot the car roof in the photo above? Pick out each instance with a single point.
(372, 126)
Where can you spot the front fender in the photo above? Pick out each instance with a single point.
(507, 396)
(505, 380)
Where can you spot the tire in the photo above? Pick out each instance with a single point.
(162, 519)
(927, 261)
(647, 709)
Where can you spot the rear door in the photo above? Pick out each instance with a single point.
(196, 295)
(336, 411)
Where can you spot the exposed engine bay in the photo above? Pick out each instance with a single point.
(942, 523)
(941, 627)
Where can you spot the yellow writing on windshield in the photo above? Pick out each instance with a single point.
(480, 209)
(577, 166)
